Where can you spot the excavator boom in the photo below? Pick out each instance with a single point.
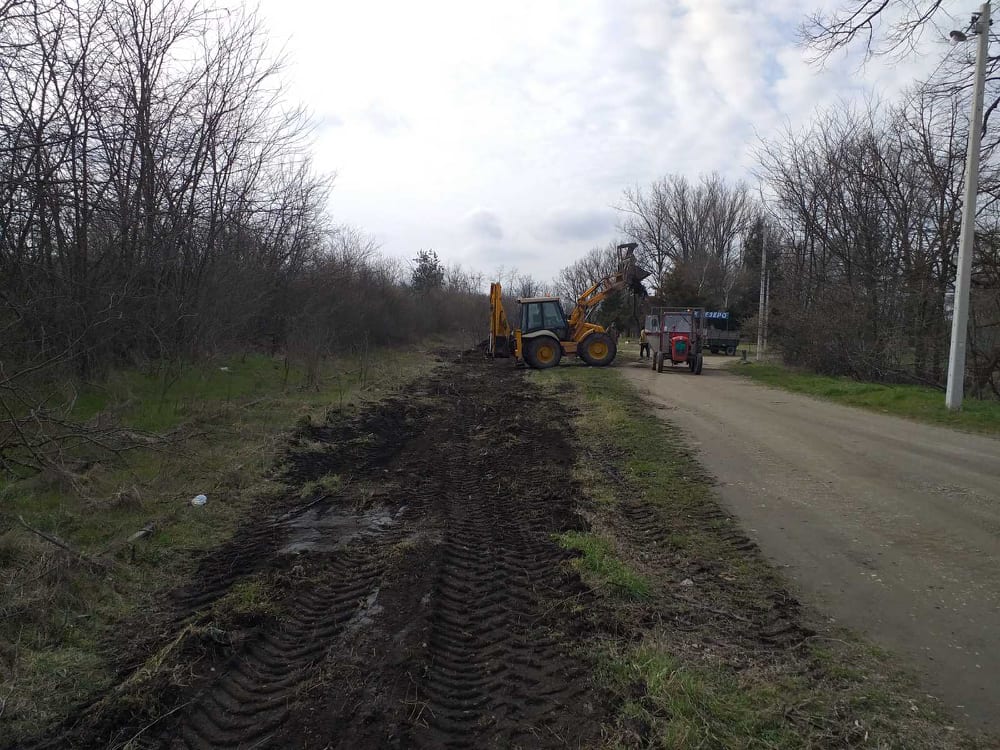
(629, 275)
(499, 344)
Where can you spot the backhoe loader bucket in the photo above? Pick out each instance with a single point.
(632, 272)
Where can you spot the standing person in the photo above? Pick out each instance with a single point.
(643, 344)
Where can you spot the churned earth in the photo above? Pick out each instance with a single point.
(492, 559)
(411, 599)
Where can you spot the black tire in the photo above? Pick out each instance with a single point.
(542, 352)
(598, 350)
(714, 349)
(698, 365)
(730, 351)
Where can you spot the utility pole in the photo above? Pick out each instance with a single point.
(762, 305)
(960, 314)
(767, 308)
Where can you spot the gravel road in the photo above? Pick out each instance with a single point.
(888, 526)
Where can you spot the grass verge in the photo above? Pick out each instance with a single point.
(599, 560)
(716, 653)
(910, 401)
(230, 420)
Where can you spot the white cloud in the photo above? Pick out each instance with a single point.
(483, 223)
(544, 112)
(575, 223)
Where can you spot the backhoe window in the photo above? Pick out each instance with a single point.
(538, 316)
(533, 320)
(552, 315)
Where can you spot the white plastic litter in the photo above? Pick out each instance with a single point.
(687, 582)
(199, 500)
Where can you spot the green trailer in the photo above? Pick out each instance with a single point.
(722, 335)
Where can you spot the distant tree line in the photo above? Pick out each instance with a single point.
(157, 204)
(699, 240)
(157, 199)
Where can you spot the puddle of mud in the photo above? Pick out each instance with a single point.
(323, 529)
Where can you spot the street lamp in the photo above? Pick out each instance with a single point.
(960, 315)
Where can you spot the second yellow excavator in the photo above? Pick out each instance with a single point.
(546, 335)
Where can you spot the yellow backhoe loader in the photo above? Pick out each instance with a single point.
(546, 335)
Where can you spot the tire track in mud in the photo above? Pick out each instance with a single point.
(479, 662)
(249, 702)
(773, 620)
(491, 676)
(494, 674)
(421, 605)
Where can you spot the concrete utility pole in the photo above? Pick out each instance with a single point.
(762, 305)
(767, 308)
(960, 314)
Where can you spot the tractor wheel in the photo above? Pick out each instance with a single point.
(542, 352)
(730, 350)
(598, 350)
(698, 364)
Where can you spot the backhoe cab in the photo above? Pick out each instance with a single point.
(545, 335)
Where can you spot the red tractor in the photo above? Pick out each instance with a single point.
(676, 335)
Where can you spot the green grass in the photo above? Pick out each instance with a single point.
(598, 558)
(696, 706)
(249, 598)
(910, 401)
(157, 400)
(228, 428)
(622, 436)
(708, 686)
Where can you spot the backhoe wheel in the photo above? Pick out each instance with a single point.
(698, 364)
(542, 352)
(598, 350)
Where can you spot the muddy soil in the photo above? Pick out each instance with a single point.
(422, 603)
(407, 591)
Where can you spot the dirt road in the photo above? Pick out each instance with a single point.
(890, 527)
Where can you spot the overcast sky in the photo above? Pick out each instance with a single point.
(502, 133)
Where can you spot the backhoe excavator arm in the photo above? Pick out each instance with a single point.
(501, 343)
(628, 275)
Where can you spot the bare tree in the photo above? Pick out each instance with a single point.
(882, 27)
(690, 235)
(868, 205)
(895, 28)
(645, 220)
